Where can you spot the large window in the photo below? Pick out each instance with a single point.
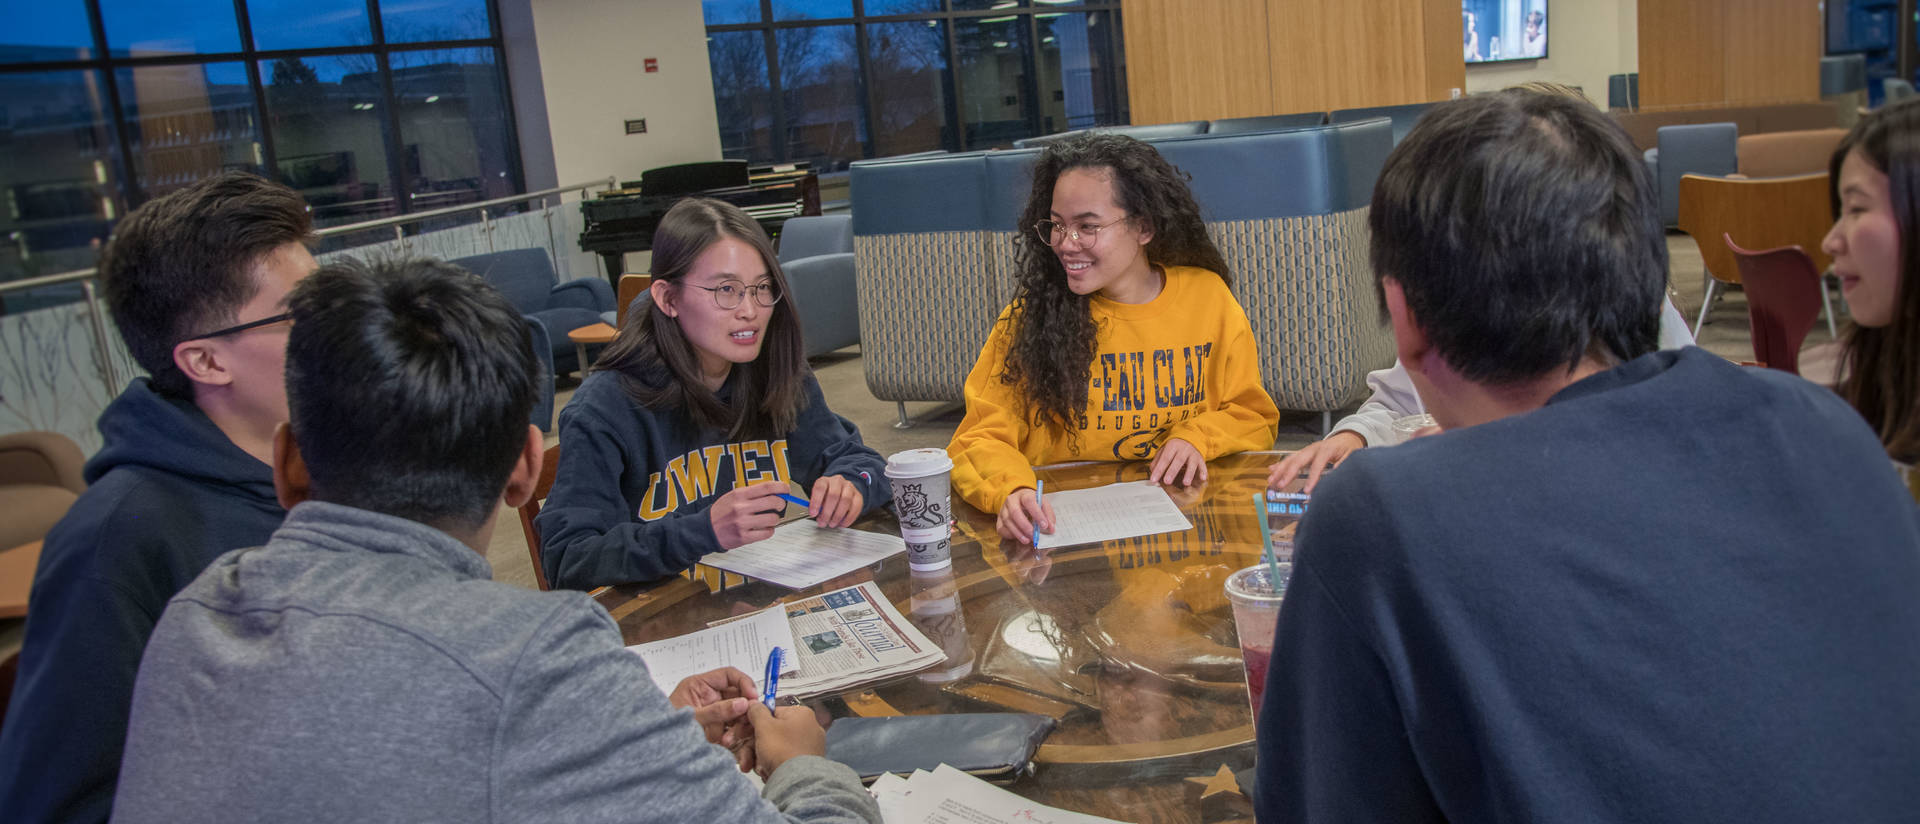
(834, 81)
(369, 108)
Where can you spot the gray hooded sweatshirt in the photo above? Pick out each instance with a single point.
(362, 667)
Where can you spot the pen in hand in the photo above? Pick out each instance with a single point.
(1039, 489)
(773, 678)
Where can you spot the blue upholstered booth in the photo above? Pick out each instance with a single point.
(1267, 123)
(1403, 117)
(1148, 132)
(934, 238)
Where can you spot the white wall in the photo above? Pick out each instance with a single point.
(592, 71)
(1587, 40)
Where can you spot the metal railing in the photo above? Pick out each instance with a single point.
(85, 277)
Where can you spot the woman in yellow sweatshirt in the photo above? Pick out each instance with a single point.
(1122, 343)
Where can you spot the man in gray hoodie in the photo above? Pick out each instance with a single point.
(362, 665)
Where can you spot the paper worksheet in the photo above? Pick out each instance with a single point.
(1110, 513)
(744, 644)
(949, 796)
(801, 554)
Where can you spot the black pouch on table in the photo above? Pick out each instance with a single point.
(996, 746)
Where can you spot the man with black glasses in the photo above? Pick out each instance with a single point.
(197, 283)
(369, 669)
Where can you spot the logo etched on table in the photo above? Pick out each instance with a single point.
(917, 509)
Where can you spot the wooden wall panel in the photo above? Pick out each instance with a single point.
(1347, 54)
(1440, 39)
(1682, 52)
(1772, 50)
(1196, 59)
(1207, 59)
(1721, 52)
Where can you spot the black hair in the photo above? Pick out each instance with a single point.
(1525, 233)
(179, 265)
(659, 368)
(1880, 367)
(410, 384)
(1054, 336)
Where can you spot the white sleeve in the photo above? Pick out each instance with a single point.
(1393, 397)
(1673, 327)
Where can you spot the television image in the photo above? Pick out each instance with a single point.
(1500, 31)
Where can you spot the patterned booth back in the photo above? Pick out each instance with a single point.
(933, 238)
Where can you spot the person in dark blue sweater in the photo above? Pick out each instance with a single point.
(196, 281)
(697, 417)
(1620, 585)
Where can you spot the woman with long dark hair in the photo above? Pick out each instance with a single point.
(697, 417)
(1875, 244)
(1123, 341)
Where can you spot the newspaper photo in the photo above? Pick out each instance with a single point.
(850, 637)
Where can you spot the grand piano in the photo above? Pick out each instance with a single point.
(622, 220)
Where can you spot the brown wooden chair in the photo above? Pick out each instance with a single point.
(532, 508)
(1761, 213)
(1782, 301)
(630, 287)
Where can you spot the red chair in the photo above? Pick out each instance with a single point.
(1783, 299)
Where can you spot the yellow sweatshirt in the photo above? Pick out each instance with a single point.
(1182, 365)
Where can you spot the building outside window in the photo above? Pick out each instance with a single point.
(369, 108)
(834, 81)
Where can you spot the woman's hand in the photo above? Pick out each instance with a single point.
(1316, 458)
(835, 501)
(747, 513)
(1175, 459)
(1020, 512)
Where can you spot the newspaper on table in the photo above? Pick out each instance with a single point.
(848, 638)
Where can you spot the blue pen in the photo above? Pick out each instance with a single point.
(1039, 489)
(773, 678)
(794, 499)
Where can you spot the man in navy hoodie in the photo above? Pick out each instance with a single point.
(1621, 585)
(197, 283)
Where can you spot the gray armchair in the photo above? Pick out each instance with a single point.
(817, 254)
(526, 277)
(1710, 149)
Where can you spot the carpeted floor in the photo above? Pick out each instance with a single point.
(844, 383)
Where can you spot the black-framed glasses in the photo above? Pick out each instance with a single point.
(1053, 232)
(730, 292)
(271, 319)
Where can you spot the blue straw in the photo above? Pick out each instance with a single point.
(1266, 541)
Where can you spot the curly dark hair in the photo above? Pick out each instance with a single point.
(1054, 336)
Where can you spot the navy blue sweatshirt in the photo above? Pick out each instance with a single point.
(1681, 591)
(167, 494)
(630, 497)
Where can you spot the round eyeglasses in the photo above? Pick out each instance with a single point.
(1053, 232)
(730, 292)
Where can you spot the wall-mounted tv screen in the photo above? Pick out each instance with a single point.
(1494, 31)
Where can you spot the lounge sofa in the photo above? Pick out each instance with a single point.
(1288, 209)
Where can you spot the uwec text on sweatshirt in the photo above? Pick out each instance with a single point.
(631, 493)
(1182, 365)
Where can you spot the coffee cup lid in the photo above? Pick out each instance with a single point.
(918, 463)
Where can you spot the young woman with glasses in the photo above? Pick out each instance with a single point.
(1122, 343)
(1875, 244)
(697, 417)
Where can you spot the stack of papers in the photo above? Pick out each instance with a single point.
(834, 642)
(949, 796)
(801, 554)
